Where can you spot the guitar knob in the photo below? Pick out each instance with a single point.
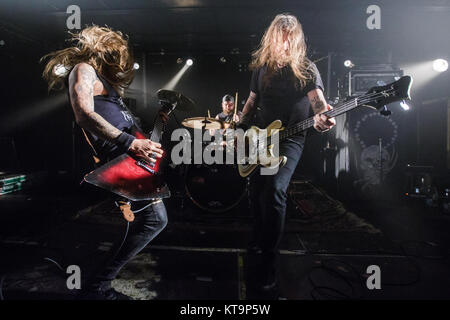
(385, 112)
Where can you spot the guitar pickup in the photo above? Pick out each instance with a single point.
(146, 166)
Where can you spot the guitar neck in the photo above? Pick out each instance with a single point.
(158, 126)
(157, 130)
(308, 123)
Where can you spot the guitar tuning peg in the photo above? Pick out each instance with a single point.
(385, 112)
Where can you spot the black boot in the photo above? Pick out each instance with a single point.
(268, 278)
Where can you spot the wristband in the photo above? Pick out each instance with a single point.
(123, 141)
(244, 123)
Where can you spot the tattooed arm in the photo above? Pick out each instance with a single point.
(319, 105)
(249, 104)
(81, 89)
(244, 116)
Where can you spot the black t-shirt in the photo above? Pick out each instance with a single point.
(225, 117)
(281, 97)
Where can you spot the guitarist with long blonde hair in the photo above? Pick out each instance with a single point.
(284, 84)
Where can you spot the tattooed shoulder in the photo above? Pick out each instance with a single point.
(87, 73)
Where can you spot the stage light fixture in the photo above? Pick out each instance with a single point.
(189, 62)
(136, 66)
(348, 64)
(404, 105)
(179, 61)
(222, 59)
(60, 70)
(440, 65)
(2, 42)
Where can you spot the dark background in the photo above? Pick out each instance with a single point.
(412, 32)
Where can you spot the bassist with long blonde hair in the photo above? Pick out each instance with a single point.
(284, 84)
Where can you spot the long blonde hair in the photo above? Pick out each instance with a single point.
(107, 51)
(268, 50)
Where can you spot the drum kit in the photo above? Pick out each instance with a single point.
(213, 188)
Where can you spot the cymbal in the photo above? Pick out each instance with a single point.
(183, 102)
(203, 123)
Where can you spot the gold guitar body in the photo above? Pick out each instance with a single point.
(270, 161)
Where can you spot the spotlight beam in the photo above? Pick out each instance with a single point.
(174, 81)
(33, 112)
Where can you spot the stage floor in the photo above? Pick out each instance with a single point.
(202, 255)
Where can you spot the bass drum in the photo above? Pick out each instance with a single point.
(215, 188)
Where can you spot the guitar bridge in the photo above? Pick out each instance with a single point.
(145, 165)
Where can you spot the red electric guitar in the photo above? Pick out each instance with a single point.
(135, 178)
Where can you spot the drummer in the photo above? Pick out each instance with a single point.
(228, 110)
(226, 115)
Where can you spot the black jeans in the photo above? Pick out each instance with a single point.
(148, 224)
(268, 202)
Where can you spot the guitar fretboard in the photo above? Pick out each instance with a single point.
(308, 123)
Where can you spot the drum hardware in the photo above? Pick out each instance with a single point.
(182, 102)
(213, 188)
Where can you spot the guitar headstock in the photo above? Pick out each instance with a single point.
(380, 96)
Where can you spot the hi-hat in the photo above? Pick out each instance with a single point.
(183, 102)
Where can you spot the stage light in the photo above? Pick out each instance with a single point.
(404, 105)
(348, 64)
(136, 66)
(60, 70)
(179, 61)
(176, 78)
(222, 59)
(422, 72)
(189, 62)
(440, 65)
(2, 42)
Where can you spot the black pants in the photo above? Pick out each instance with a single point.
(148, 224)
(268, 202)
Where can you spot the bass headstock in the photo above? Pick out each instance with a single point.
(380, 96)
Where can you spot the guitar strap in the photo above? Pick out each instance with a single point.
(96, 159)
(125, 208)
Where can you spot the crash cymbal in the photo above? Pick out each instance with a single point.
(203, 123)
(183, 102)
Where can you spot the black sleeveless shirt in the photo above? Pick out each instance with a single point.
(112, 108)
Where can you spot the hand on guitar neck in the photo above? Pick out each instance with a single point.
(322, 122)
(147, 149)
